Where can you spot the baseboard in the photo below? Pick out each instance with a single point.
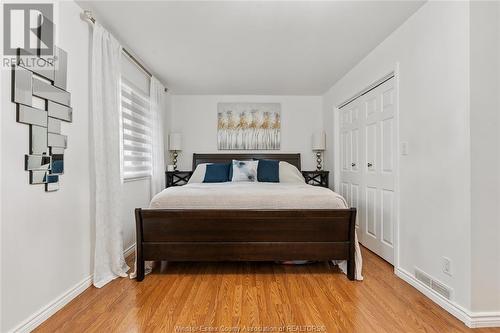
(484, 319)
(129, 251)
(453, 308)
(470, 319)
(45, 313)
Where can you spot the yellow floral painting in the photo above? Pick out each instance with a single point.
(244, 126)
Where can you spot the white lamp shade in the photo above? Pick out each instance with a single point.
(175, 141)
(319, 141)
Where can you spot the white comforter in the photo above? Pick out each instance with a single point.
(245, 195)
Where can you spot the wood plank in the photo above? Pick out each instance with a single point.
(187, 294)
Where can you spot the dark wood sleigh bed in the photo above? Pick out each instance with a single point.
(245, 235)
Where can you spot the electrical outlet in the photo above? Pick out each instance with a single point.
(447, 266)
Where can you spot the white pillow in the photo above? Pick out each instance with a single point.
(244, 171)
(199, 173)
(290, 174)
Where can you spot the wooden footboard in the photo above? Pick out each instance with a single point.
(245, 235)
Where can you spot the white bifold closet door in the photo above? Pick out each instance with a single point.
(368, 158)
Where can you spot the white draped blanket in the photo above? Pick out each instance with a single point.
(248, 195)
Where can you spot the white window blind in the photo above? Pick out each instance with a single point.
(136, 124)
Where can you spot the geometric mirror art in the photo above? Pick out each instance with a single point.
(43, 103)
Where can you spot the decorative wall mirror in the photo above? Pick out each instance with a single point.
(43, 103)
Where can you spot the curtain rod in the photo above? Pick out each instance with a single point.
(367, 89)
(87, 14)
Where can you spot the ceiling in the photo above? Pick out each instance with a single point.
(269, 48)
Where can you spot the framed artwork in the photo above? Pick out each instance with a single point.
(248, 126)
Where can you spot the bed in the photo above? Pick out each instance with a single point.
(246, 222)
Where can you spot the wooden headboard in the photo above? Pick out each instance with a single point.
(293, 159)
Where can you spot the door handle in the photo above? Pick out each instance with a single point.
(353, 164)
(370, 165)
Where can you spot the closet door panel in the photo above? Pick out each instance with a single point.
(345, 117)
(371, 147)
(355, 150)
(355, 114)
(387, 221)
(344, 188)
(387, 96)
(371, 104)
(368, 166)
(355, 199)
(371, 211)
(387, 148)
(346, 151)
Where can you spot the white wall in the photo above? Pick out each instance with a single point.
(432, 49)
(47, 239)
(485, 154)
(195, 116)
(2, 96)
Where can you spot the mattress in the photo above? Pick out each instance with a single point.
(247, 195)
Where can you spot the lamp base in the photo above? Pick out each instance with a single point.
(319, 165)
(174, 160)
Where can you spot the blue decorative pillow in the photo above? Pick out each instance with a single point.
(216, 173)
(268, 171)
(244, 171)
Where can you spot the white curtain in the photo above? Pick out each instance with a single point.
(105, 128)
(157, 93)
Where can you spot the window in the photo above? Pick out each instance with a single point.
(136, 121)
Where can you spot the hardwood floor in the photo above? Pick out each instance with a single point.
(263, 297)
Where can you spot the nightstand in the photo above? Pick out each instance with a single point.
(316, 178)
(177, 178)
